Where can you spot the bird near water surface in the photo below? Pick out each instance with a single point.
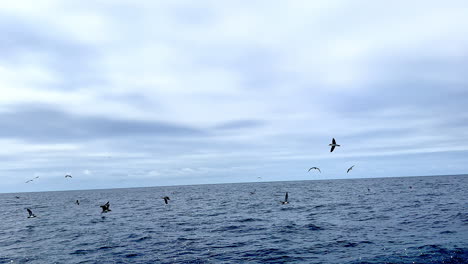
(31, 215)
(285, 199)
(105, 208)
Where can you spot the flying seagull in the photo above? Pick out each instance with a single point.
(333, 145)
(77, 202)
(31, 215)
(105, 208)
(68, 176)
(166, 199)
(315, 168)
(285, 199)
(350, 168)
(37, 177)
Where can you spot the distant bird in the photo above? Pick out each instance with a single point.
(37, 177)
(259, 177)
(68, 176)
(166, 199)
(350, 168)
(368, 189)
(17, 197)
(411, 187)
(31, 215)
(253, 192)
(333, 145)
(77, 202)
(285, 199)
(315, 168)
(105, 208)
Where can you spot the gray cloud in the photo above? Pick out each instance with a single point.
(46, 124)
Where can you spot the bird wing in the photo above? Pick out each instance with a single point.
(310, 169)
(333, 141)
(286, 197)
(319, 170)
(332, 148)
(29, 211)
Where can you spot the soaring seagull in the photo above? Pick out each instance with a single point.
(285, 199)
(105, 208)
(350, 168)
(333, 145)
(166, 199)
(31, 215)
(37, 177)
(68, 176)
(315, 168)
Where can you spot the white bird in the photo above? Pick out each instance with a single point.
(333, 145)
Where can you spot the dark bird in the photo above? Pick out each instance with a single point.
(166, 199)
(17, 197)
(253, 192)
(105, 208)
(350, 168)
(31, 215)
(315, 168)
(28, 181)
(368, 189)
(285, 199)
(68, 176)
(333, 145)
(77, 202)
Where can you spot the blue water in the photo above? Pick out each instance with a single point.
(335, 221)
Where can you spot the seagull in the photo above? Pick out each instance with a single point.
(253, 192)
(37, 177)
(166, 199)
(77, 202)
(285, 199)
(17, 197)
(68, 176)
(31, 215)
(350, 168)
(315, 168)
(105, 208)
(333, 145)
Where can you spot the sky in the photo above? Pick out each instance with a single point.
(155, 93)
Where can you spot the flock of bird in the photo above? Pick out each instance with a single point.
(105, 207)
(333, 145)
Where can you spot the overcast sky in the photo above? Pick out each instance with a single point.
(150, 93)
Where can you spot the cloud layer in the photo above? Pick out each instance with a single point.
(180, 92)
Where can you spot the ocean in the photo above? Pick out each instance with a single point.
(380, 220)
